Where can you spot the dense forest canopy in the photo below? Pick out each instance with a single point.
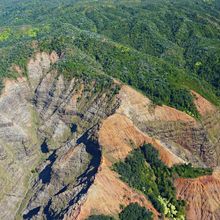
(144, 170)
(131, 212)
(164, 48)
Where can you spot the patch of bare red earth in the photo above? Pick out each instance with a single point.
(118, 136)
(202, 196)
(203, 106)
(108, 193)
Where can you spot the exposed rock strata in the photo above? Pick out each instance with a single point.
(47, 111)
(108, 194)
(59, 138)
(126, 129)
(184, 136)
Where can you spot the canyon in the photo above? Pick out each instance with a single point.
(59, 139)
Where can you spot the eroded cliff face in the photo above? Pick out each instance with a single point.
(202, 196)
(69, 116)
(107, 194)
(18, 139)
(183, 135)
(171, 132)
(59, 139)
(48, 140)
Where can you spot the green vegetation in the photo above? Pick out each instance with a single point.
(31, 32)
(187, 171)
(143, 170)
(157, 46)
(4, 35)
(151, 177)
(135, 212)
(132, 212)
(135, 171)
(163, 48)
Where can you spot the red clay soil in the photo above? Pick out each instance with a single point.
(118, 136)
(202, 196)
(134, 103)
(109, 193)
(203, 106)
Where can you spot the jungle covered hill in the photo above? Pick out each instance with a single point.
(164, 49)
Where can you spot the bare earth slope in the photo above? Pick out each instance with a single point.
(59, 139)
(108, 194)
(202, 196)
(121, 132)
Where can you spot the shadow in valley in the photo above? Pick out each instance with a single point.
(73, 128)
(44, 147)
(85, 180)
(45, 174)
(31, 213)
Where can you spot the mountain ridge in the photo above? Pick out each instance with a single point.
(90, 89)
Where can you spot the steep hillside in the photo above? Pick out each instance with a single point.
(69, 134)
(96, 93)
(100, 201)
(155, 46)
(48, 129)
(119, 135)
(202, 196)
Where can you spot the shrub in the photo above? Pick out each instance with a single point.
(135, 212)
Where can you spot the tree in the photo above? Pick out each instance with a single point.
(135, 212)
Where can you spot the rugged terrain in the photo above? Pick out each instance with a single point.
(85, 85)
(53, 132)
(60, 138)
(202, 196)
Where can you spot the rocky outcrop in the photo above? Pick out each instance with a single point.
(59, 139)
(119, 136)
(48, 141)
(69, 115)
(181, 133)
(108, 194)
(19, 140)
(170, 129)
(18, 145)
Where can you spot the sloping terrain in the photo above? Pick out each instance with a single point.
(84, 84)
(178, 131)
(202, 196)
(69, 136)
(108, 194)
(51, 128)
(118, 136)
(204, 107)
